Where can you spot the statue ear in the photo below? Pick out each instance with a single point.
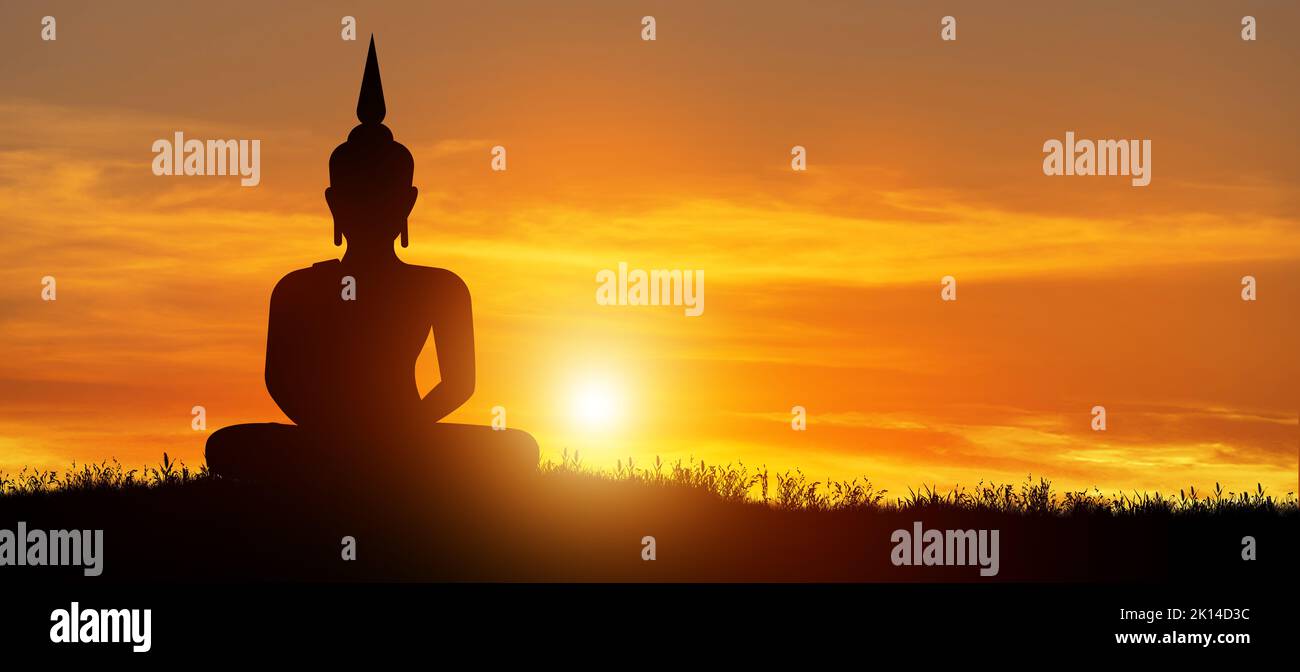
(406, 241)
(329, 200)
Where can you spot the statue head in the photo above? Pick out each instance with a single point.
(370, 193)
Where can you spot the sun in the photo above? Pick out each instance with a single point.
(595, 404)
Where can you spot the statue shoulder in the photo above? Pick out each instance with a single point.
(303, 278)
(440, 279)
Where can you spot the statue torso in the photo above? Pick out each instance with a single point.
(356, 334)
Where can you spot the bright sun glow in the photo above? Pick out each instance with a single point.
(596, 404)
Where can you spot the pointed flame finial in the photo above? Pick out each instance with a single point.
(370, 104)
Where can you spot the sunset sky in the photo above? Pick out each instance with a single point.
(822, 287)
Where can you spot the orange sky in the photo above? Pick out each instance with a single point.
(822, 288)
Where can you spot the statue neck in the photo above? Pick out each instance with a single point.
(374, 256)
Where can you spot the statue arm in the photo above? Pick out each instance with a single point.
(453, 334)
(281, 362)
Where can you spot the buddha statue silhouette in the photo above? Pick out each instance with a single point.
(342, 367)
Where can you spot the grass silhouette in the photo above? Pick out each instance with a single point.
(573, 522)
(739, 484)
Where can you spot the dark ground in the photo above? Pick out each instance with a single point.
(568, 527)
